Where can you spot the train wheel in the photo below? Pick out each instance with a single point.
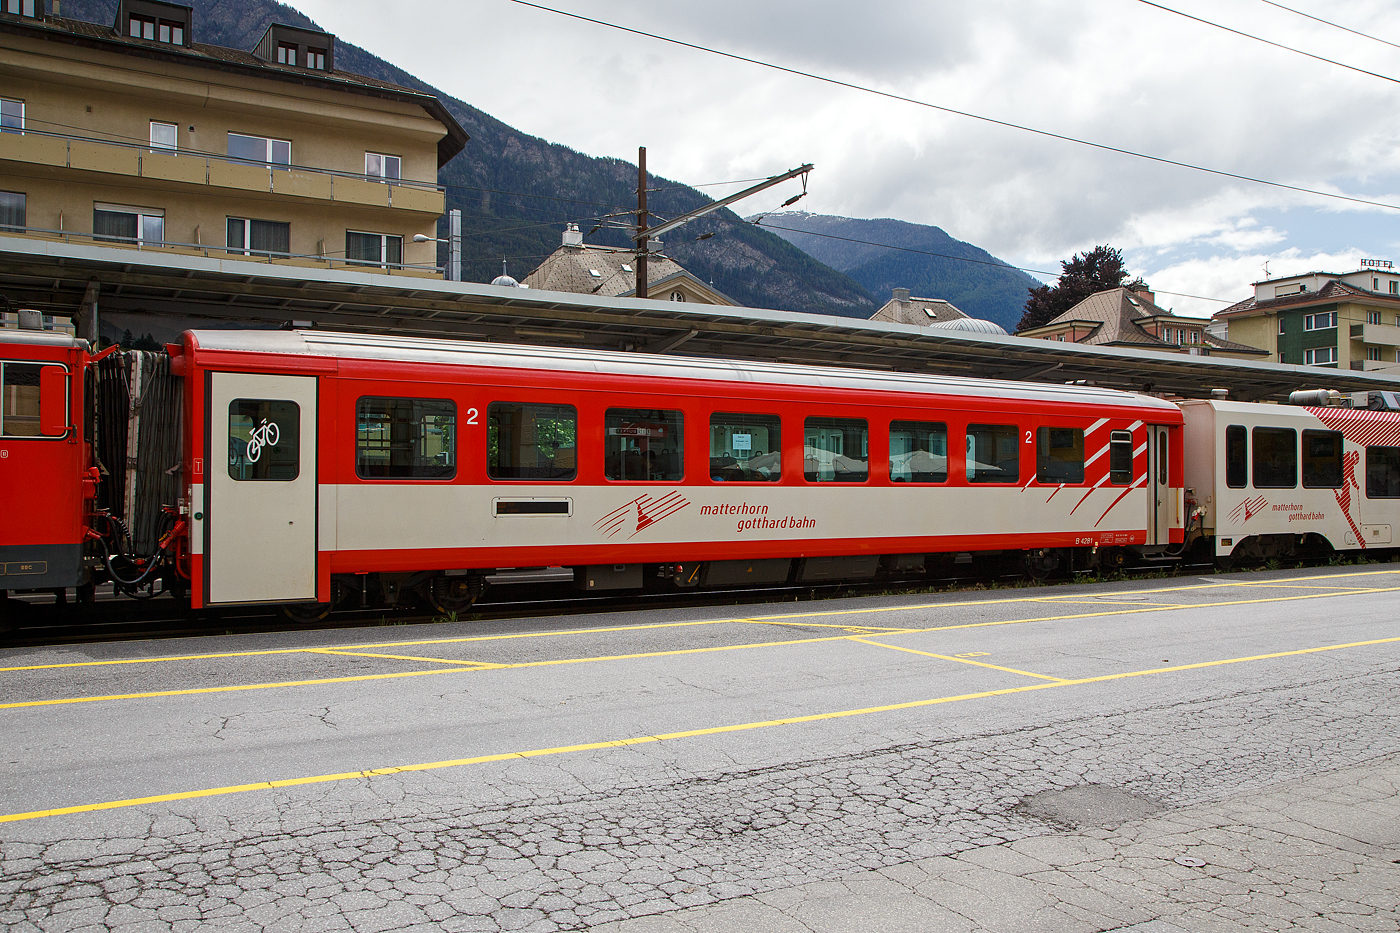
(306, 613)
(1042, 563)
(453, 594)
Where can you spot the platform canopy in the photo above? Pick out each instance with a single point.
(161, 293)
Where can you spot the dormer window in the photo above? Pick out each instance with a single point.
(286, 53)
(154, 21)
(295, 47)
(21, 8)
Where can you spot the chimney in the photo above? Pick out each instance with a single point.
(1146, 295)
(572, 237)
(901, 294)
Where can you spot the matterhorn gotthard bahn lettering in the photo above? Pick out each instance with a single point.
(642, 512)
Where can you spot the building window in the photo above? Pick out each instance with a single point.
(745, 448)
(1373, 353)
(1373, 317)
(836, 450)
(20, 7)
(141, 27)
(259, 237)
(286, 53)
(531, 441)
(12, 212)
(1320, 356)
(1320, 321)
(174, 33)
(115, 223)
(316, 58)
(1375, 284)
(993, 453)
(644, 444)
(380, 249)
(676, 296)
(1280, 324)
(918, 452)
(1394, 287)
(382, 166)
(164, 136)
(274, 152)
(11, 115)
(405, 438)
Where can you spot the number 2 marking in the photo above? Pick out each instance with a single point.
(1028, 438)
(471, 415)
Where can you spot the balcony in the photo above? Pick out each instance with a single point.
(1384, 335)
(214, 171)
(170, 248)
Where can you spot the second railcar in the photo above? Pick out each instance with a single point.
(320, 461)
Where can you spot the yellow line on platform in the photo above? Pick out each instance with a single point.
(644, 739)
(336, 652)
(947, 657)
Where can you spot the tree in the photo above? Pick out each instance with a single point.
(1081, 276)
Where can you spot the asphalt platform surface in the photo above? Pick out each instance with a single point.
(1182, 754)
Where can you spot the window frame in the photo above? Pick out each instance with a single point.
(7, 124)
(1237, 434)
(1392, 470)
(383, 262)
(1044, 436)
(380, 174)
(269, 150)
(1256, 460)
(889, 449)
(287, 53)
(1311, 353)
(624, 415)
(769, 421)
(23, 214)
(160, 146)
(491, 467)
(247, 248)
(1310, 480)
(1310, 321)
(295, 445)
(980, 477)
(452, 444)
(826, 422)
(67, 401)
(142, 214)
(1118, 441)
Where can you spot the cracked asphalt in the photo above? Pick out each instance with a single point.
(920, 762)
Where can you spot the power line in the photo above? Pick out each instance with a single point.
(1277, 45)
(1328, 22)
(963, 113)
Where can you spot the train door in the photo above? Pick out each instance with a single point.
(1159, 518)
(260, 522)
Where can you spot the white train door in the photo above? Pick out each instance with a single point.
(1159, 518)
(260, 510)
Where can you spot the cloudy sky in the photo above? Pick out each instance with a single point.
(1116, 72)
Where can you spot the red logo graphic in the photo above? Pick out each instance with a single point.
(641, 512)
(1248, 508)
(1343, 495)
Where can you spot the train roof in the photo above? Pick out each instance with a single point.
(647, 365)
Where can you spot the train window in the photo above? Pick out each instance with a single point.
(918, 452)
(1120, 458)
(264, 439)
(1236, 457)
(835, 450)
(1059, 455)
(1383, 472)
(993, 453)
(531, 441)
(405, 438)
(1322, 459)
(19, 399)
(643, 444)
(1275, 458)
(745, 448)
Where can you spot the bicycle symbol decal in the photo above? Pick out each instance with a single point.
(264, 435)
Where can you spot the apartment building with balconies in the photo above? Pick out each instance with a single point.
(1349, 320)
(134, 135)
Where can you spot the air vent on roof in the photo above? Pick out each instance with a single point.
(595, 273)
(930, 312)
(626, 267)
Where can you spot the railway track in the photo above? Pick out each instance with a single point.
(37, 621)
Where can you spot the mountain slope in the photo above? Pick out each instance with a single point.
(971, 278)
(516, 192)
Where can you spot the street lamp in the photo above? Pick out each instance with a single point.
(454, 244)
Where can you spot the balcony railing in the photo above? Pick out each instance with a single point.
(194, 167)
(169, 247)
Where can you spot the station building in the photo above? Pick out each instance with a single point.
(1345, 320)
(136, 136)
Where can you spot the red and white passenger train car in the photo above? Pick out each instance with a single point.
(316, 459)
(317, 467)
